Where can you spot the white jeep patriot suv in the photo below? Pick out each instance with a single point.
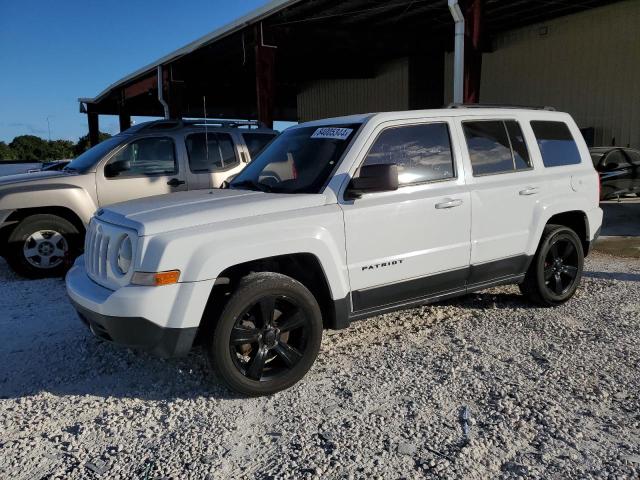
(338, 220)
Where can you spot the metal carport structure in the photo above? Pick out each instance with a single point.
(256, 66)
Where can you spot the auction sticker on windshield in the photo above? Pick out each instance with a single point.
(332, 132)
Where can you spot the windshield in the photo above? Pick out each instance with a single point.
(298, 161)
(88, 159)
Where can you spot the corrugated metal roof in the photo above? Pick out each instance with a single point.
(251, 18)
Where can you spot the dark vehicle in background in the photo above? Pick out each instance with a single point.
(51, 166)
(619, 170)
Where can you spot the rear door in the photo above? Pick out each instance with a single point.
(212, 157)
(504, 191)
(143, 167)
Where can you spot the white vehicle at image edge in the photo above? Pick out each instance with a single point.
(338, 220)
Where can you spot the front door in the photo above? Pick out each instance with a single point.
(412, 243)
(144, 167)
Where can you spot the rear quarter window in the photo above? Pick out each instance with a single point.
(556, 143)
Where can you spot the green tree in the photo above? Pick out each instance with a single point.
(6, 153)
(61, 149)
(30, 148)
(83, 143)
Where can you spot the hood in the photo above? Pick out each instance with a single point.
(165, 213)
(30, 177)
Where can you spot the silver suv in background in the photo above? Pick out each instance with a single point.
(43, 215)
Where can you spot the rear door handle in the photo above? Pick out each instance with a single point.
(529, 191)
(449, 203)
(174, 182)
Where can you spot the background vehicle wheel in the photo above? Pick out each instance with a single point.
(43, 246)
(556, 269)
(268, 335)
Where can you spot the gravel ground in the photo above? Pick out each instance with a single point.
(549, 393)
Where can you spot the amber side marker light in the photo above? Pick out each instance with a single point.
(155, 279)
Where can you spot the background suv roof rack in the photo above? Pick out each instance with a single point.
(223, 123)
(488, 105)
(171, 124)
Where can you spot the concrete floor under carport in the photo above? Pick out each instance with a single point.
(620, 233)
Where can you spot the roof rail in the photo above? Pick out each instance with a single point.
(223, 123)
(169, 124)
(488, 105)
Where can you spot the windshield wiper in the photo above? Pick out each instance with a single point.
(253, 185)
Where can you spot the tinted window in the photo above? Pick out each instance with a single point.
(88, 159)
(421, 152)
(299, 160)
(146, 156)
(256, 142)
(210, 151)
(633, 156)
(556, 143)
(496, 146)
(614, 159)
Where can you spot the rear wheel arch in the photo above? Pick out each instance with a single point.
(577, 221)
(306, 268)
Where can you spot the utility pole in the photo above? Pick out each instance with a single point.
(49, 126)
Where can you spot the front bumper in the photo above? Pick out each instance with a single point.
(138, 332)
(163, 320)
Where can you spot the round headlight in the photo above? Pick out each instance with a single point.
(125, 254)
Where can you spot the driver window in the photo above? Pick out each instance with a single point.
(143, 157)
(421, 152)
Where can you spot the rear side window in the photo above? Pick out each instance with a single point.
(421, 152)
(556, 143)
(209, 152)
(256, 142)
(496, 146)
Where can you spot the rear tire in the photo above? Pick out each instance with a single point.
(556, 269)
(43, 245)
(267, 336)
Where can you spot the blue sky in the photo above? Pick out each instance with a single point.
(52, 52)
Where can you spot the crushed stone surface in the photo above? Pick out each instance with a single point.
(484, 386)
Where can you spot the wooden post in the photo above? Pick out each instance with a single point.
(473, 50)
(125, 121)
(265, 81)
(94, 128)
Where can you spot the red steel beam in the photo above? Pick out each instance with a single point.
(474, 31)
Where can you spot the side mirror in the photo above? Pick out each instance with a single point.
(374, 178)
(114, 169)
(611, 166)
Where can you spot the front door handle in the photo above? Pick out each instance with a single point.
(174, 182)
(529, 191)
(449, 203)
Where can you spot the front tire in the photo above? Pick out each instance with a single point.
(43, 245)
(267, 336)
(556, 269)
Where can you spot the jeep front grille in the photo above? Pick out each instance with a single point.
(100, 252)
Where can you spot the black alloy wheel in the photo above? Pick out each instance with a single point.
(561, 266)
(555, 271)
(267, 336)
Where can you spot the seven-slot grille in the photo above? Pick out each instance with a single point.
(100, 250)
(96, 248)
